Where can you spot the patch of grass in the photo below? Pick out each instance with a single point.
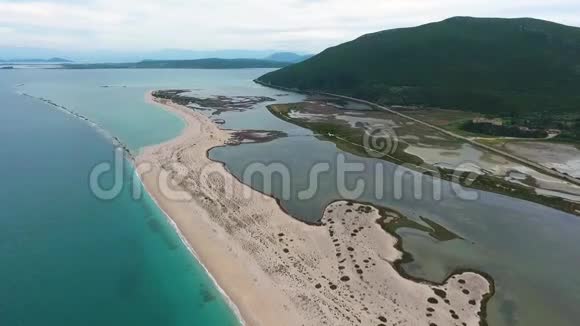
(499, 185)
(345, 137)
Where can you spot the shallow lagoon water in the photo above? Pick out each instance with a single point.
(530, 250)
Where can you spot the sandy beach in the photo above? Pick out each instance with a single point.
(280, 271)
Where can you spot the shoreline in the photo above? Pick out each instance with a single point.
(267, 288)
(231, 304)
(244, 315)
(115, 140)
(131, 159)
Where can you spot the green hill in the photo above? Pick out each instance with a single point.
(479, 64)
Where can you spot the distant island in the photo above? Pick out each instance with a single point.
(28, 60)
(288, 57)
(212, 63)
(525, 71)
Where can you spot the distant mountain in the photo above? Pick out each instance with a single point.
(25, 60)
(212, 63)
(179, 54)
(94, 56)
(479, 64)
(288, 57)
(58, 60)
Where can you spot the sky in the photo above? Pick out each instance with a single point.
(298, 25)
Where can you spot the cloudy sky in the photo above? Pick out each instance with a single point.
(299, 25)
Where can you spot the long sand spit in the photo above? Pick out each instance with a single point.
(280, 271)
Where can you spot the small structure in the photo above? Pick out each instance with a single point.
(495, 121)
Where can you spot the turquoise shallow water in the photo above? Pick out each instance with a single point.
(68, 258)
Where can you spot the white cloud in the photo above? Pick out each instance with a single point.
(56, 15)
(307, 25)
